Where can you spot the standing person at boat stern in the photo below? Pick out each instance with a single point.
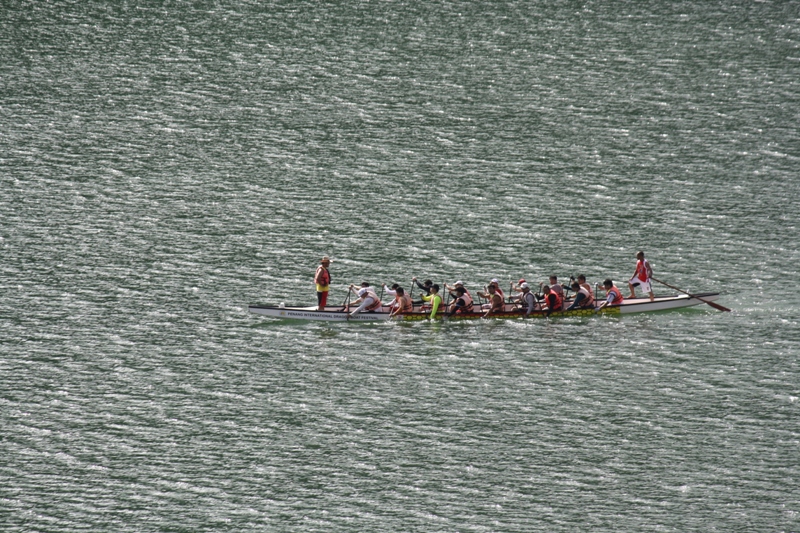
(641, 277)
(322, 279)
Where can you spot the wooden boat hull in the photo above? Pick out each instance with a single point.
(629, 306)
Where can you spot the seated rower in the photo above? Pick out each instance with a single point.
(456, 285)
(367, 298)
(391, 291)
(496, 304)
(551, 300)
(613, 294)
(424, 287)
(516, 288)
(526, 298)
(434, 299)
(498, 289)
(583, 298)
(402, 303)
(582, 281)
(463, 302)
(554, 286)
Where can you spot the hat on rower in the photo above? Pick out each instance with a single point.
(325, 259)
(520, 282)
(459, 282)
(495, 280)
(523, 285)
(362, 292)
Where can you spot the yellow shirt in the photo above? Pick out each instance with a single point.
(322, 288)
(435, 301)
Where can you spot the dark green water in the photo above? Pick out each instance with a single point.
(164, 164)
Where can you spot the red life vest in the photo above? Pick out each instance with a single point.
(324, 277)
(617, 295)
(559, 302)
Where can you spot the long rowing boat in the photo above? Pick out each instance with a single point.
(511, 311)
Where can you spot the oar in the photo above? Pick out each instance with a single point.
(445, 302)
(712, 304)
(347, 298)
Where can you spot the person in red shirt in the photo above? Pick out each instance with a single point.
(641, 277)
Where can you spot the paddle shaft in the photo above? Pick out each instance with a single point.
(712, 304)
(347, 299)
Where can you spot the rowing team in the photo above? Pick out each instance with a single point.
(551, 298)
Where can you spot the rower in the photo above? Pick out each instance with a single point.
(554, 286)
(463, 302)
(391, 291)
(402, 303)
(526, 298)
(497, 288)
(552, 300)
(582, 281)
(613, 294)
(583, 297)
(452, 290)
(518, 289)
(434, 299)
(496, 304)
(425, 287)
(367, 298)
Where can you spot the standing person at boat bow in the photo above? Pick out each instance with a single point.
(434, 299)
(613, 294)
(367, 298)
(322, 279)
(641, 277)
